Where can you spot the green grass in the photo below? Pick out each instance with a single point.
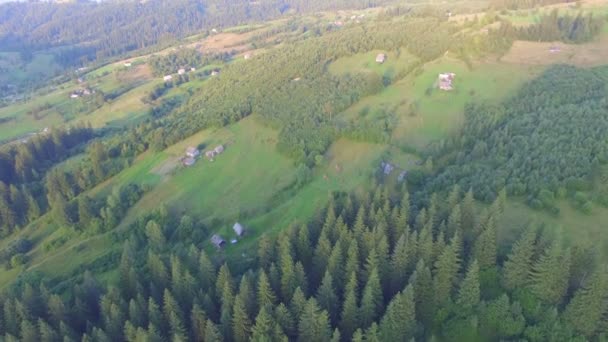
(366, 62)
(437, 114)
(575, 227)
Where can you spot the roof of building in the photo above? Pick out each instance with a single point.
(217, 240)
(189, 161)
(238, 229)
(380, 58)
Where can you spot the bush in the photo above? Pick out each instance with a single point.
(18, 260)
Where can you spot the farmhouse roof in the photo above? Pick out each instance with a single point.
(381, 58)
(238, 229)
(217, 240)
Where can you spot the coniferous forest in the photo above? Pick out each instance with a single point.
(368, 268)
(433, 256)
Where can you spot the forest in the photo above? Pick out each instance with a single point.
(546, 142)
(90, 30)
(369, 267)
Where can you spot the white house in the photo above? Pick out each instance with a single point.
(238, 229)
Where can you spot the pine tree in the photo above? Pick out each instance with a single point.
(212, 334)
(263, 329)
(47, 333)
(336, 336)
(350, 316)
(320, 258)
(352, 259)
(288, 278)
(266, 251)
(422, 282)
(303, 248)
(327, 298)
(335, 265)
(29, 332)
(285, 320)
(485, 246)
(297, 304)
(372, 334)
(446, 272)
(469, 293)
(314, 324)
(400, 261)
(399, 321)
(241, 325)
(589, 306)
(550, 275)
(372, 300)
(519, 263)
(207, 272)
(198, 319)
(266, 296)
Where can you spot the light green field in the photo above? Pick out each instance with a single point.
(427, 114)
(396, 62)
(573, 226)
(528, 17)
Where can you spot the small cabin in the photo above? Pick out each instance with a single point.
(248, 56)
(167, 78)
(215, 73)
(381, 58)
(446, 81)
(192, 69)
(218, 241)
(192, 152)
(239, 230)
(219, 149)
(210, 154)
(181, 71)
(128, 65)
(188, 161)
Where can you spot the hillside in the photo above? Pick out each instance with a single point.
(376, 205)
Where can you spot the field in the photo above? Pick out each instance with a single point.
(425, 113)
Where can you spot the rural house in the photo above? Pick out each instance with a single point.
(219, 149)
(381, 58)
(218, 241)
(188, 161)
(238, 229)
(181, 71)
(446, 81)
(167, 78)
(192, 152)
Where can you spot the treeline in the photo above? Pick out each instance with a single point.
(369, 268)
(101, 29)
(523, 4)
(33, 180)
(184, 58)
(545, 143)
(578, 28)
(22, 170)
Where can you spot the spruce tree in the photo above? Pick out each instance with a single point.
(399, 321)
(589, 306)
(327, 298)
(517, 268)
(469, 293)
(485, 246)
(212, 334)
(314, 324)
(241, 325)
(446, 272)
(350, 312)
(400, 261)
(424, 294)
(372, 300)
(265, 295)
(550, 275)
(263, 329)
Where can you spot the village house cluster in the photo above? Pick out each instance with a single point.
(181, 72)
(81, 92)
(193, 153)
(219, 242)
